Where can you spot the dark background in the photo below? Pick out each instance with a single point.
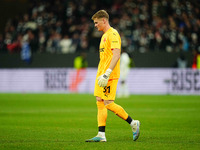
(10, 9)
(144, 60)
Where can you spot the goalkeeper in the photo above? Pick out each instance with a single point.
(107, 77)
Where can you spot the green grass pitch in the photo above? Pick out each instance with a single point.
(65, 121)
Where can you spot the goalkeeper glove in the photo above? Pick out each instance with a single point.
(103, 79)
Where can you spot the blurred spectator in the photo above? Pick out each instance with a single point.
(53, 43)
(80, 61)
(181, 62)
(66, 44)
(2, 44)
(166, 25)
(80, 65)
(15, 46)
(26, 50)
(196, 59)
(75, 42)
(42, 40)
(125, 68)
(84, 47)
(33, 40)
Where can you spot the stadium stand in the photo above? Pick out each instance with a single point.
(166, 25)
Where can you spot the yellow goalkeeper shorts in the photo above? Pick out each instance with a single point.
(108, 92)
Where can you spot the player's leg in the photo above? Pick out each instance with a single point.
(118, 110)
(109, 97)
(101, 116)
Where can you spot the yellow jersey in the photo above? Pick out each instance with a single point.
(110, 40)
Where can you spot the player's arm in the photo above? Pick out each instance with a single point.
(115, 58)
(103, 79)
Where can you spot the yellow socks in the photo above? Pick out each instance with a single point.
(118, 110)
(102, 113)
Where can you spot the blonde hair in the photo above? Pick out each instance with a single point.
(100, 14)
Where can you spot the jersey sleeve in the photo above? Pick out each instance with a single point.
(115, 41)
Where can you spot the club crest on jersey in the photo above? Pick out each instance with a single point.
(104, 40)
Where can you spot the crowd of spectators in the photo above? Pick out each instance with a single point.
(65, 26)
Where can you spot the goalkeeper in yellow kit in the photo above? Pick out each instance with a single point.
(107, 77)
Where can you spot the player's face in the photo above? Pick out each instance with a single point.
(99, 24)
